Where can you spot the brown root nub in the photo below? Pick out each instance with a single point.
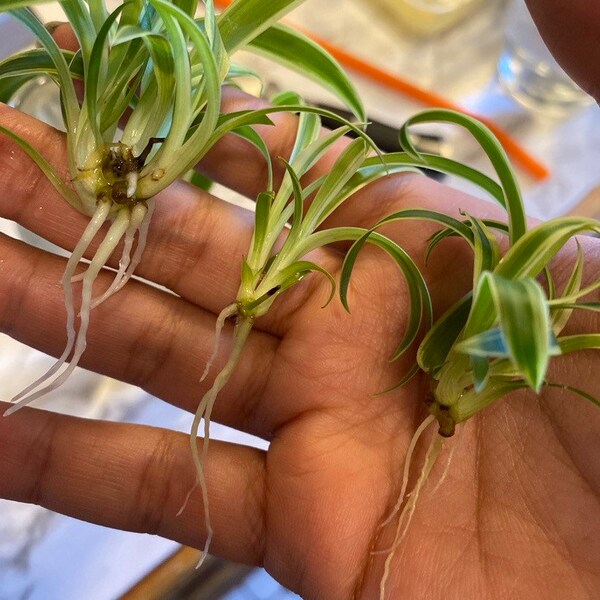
(119, 161)
(445, 420)
(118, 167)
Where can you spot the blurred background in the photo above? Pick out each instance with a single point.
(406, 55)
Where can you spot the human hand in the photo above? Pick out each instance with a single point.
(515, 513)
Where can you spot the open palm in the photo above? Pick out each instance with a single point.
(516, 515)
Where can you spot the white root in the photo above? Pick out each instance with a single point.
(96, 222)
(227, 312)
(140, 222)
(241, 332)
(132, 180)
(408, 511)
(76, 341)
(457, 439)
(407, 462)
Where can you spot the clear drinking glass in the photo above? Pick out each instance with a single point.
(429, 16)
(527, 70)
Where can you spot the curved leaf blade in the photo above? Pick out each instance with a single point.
(296, 51)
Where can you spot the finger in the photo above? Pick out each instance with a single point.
(134, 478)
(146, 337)
(571, 32)
(64, 36)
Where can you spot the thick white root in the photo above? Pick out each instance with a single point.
(76, 340)
(408, 511)
(91, 230)
(140, 221)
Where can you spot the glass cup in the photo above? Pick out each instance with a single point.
(528, 71)
(426, 17)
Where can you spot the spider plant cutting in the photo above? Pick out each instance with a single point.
(288, 227)
(503, 334)
(152, 75)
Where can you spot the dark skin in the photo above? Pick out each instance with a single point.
(570, 30)
(515, 516)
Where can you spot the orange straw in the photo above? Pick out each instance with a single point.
(527, 162)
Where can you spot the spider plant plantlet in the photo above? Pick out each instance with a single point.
(502, 335)
(152, 75)
(287, 229)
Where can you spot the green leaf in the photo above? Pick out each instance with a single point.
(486, 250)
(574, 296)
(247, 276)
(297, 270)
(67, 90)
(562, 312)
(175, 156)
(309, 130)
(244, 20)
(261, 218)
(234, 120)
(231, 121)
(442, 165)
(93, 78)
(275, 283)
(577, 391)
(298, 204)
(526, 259)
(481, 370)
(10, 5)
(38, 61)
(420, 309)
(326, 198)
(98, 13)
(474, 400)
(539, 246)
(523, 316)
(125, 59)
(200, 181)
(182, 107)
(408, 376)
(291, 48)
(81, 22)
(576, 343)
(436, 238)
(490, 343)
(236, 72)
(460, 228)
(303, 158)
(9, 86)
(513, 202)
(591, 306)
(158, 96)
(252, 136)
(438, 341)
